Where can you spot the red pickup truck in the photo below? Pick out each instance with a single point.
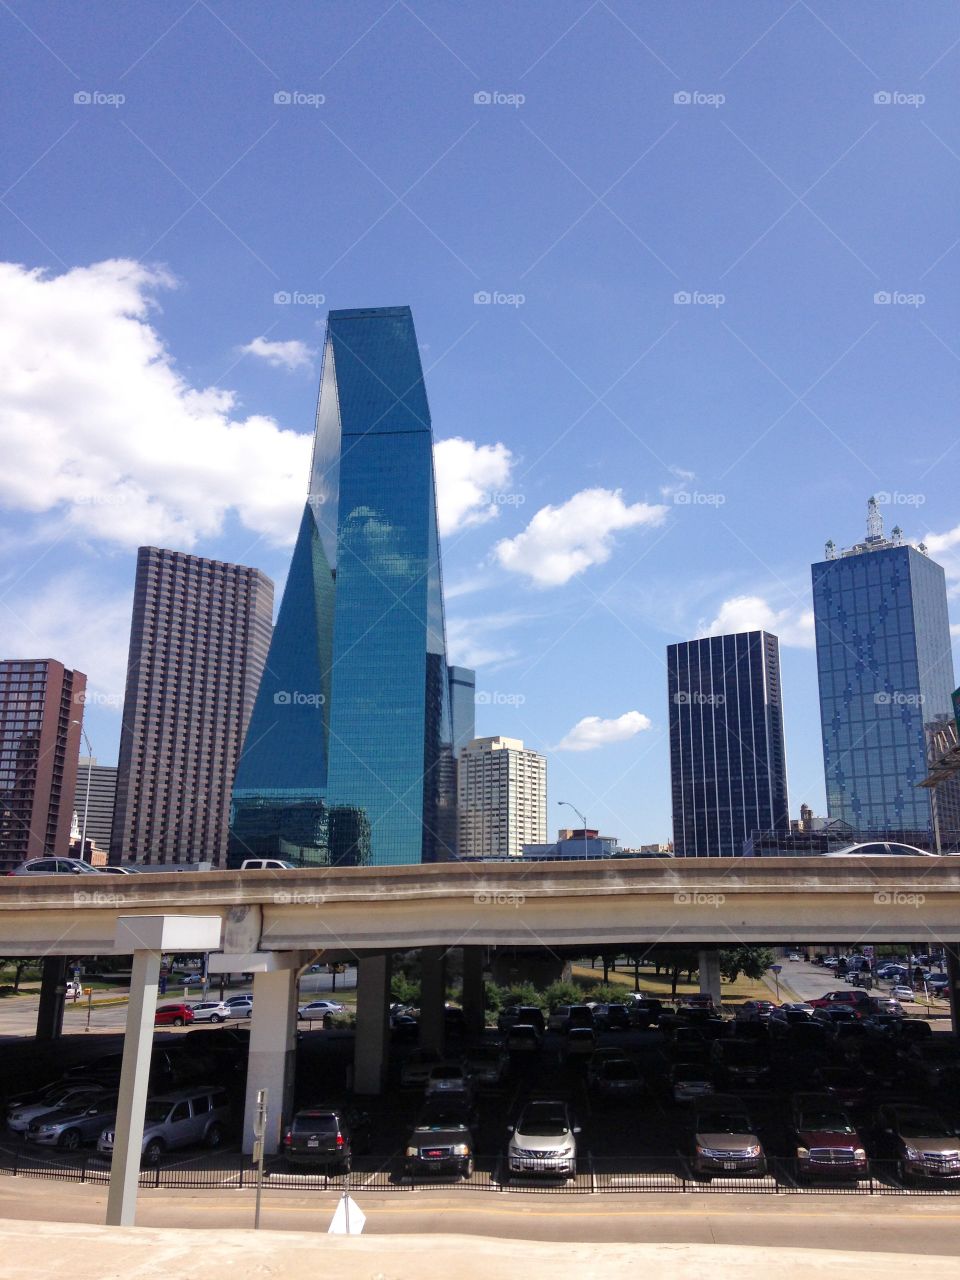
(855, 998)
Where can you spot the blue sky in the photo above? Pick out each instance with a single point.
(721, 247)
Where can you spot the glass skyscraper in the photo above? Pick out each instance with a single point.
(349, 754)
(885, 668)
(727, 764)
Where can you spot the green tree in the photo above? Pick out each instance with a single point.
(404, 990)
(752, 962)
(562, 993)
(604, 993)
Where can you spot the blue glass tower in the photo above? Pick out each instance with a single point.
(728, 769)
(348, 758)
(885, 667)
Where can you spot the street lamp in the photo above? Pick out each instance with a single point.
(86, 798)
(582, 819)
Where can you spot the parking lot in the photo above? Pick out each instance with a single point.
(641, 1143)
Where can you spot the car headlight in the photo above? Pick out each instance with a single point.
(859, 1154)
(461, 1149)
(911, 1153)
(411, 1152)
(47, 1128)
(802, 1153)
(753, 1151)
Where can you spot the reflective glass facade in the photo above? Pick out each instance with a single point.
(885, 668)
(353, 721)
(727, 764)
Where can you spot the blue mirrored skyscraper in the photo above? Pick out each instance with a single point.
(885, 668)
(348, 758)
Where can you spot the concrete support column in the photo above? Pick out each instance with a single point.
(432, 998)
(371, 1051)
(271, 1064)
(146, 938)
(710, 974)
(52, 995)
(473, 1010)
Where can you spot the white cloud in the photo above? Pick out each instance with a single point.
(472, 642)
(97, 424)
(281, 355)
(560, 542)
(472, 481)
(793, 626)
(73, 619)
(592, 732)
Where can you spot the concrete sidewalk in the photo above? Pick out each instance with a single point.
(66, 1251)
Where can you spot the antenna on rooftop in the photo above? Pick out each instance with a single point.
(830, 550)
(874, 521)
(897, 536)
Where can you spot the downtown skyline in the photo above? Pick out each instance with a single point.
(701, 452)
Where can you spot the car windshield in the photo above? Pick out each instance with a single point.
(690, 1072)
(543, 1122)
(447, 1073)
(826, 1122)
(740, 1051)
(723, 1122)
(324, 1125)
(924, 1124)
(620, 1071)
(455, 1126)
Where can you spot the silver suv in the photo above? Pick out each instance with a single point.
(544, 1140)
(179, 1120)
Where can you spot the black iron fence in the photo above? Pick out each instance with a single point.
(605, 1176)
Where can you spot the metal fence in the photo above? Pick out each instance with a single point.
(604, 1176)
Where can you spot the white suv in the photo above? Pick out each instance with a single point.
(544, 1141)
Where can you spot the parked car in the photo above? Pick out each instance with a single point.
(857, 999)
(526, 1014)
(267, 864)
(240, 1006)
(925, 1146)
(740, 1062)
(326, 1136)
(850, 1086)
(544, 1140)
(173, 1015)
(619, 1078)
(646, 1012)
(317, 1010)
(906, 994)
(688, 1044)
(826, 1142)
(581, 1015)
(725, 1140)
(449, 1077)
(415, 1071)
(74, 1125)
(211, 1011)
(449, 1108)
(611, 1017)
(690, 1080)
(522, 1038)
(794, 957)
(579, 1043)
(440, 1148)
(184, 1119)
(55, 867)
(755, 1010)
(935, 1062)
(57, 1098)
(487, 1063)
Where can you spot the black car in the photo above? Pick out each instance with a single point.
(646, 1013)
(740, 1062)
(611, 1017)
(440, 1148)
(327, 1136)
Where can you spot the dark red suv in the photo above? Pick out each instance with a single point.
(173, 1015)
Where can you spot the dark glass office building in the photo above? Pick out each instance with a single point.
(727, 764)
(349, 754)
(885, 668)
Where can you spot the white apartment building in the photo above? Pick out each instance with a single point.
(501, 798)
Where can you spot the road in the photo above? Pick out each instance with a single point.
(917, 1227)
(808, 981)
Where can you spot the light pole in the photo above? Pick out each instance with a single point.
(582, 819)
(86, 798)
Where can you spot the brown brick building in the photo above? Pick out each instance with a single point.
(198, 643)
(41, 707)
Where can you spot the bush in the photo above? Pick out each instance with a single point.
(608, 994)
(404, 990)
(523, 993)
(562, 993)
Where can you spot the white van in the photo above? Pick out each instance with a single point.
(267, 864)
